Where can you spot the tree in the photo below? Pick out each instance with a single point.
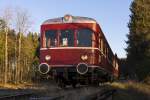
(2, 49)
(7, 15)
(22, 24)
(138, 50)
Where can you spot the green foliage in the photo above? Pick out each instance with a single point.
(138, 50)
(28, 59)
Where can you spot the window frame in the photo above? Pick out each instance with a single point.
(58, 33)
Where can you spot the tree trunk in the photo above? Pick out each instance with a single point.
(19, 58)
(6, 56)
(16, 62)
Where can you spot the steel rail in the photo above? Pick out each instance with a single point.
(103, 94)
(15, 96)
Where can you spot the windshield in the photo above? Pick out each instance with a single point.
(69, 38)
(51, 38)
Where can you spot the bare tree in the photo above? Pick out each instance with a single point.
(22, 24)
(7, 16)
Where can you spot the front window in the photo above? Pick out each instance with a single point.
(66, 38)
(84, 38)
(51, 38)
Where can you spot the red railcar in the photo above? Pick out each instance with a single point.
(74, 49)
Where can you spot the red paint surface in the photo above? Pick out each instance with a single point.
(69, 56)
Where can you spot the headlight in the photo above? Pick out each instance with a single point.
(84, 57)
(47, 57)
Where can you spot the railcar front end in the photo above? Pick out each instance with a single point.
(70, 50)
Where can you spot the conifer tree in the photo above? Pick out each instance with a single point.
(138, 50)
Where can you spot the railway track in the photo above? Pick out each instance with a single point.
(79, 93)
(29, 96)
(17, 96)
(101, 95)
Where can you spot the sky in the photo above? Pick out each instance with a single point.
(112, 15)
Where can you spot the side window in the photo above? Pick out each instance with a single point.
(107, 52)
(116, 66)
(99, 42)
(102, 45)
(110, 56)
(104, 48)
(99, 47)
(51, 38)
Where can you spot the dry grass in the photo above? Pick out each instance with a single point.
(131, 91)
(17, 86)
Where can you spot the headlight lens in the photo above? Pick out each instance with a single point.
(47, 57)
(84, 57)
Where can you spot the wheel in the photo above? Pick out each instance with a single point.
(74, 83)
(111, 79)
(61, 83)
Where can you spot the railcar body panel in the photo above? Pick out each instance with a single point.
(70, 55)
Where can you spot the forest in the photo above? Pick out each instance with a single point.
(18, 60)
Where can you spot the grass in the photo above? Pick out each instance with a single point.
(131, 91)
(16, 86)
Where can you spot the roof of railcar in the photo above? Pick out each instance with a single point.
(75, 19)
